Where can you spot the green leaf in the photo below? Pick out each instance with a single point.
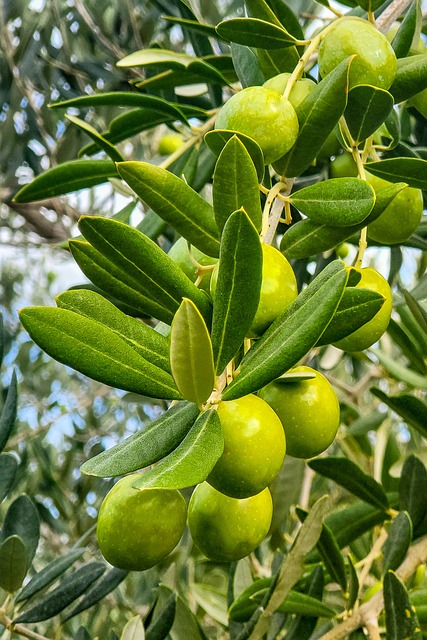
(287, 18)
(353, 584)
(351, 522)
(133, 629)
(398, 371)
(398, 542)
(65, 178)
(413, 171)
(247, 66)
(400, 618)
(22, 520)
(142, 338)
(369, 5)
(408, 30)
(2, 338)
(348, 475)
(252, 32)
(96, 351)
(291, 335)
(317, 115)
(192, 460)
(411, 77)
(8, 469)
(235, 184)
(217, 139)
(147, 446)
(412, 409)
(238, 287)
(101, 142)
(416, 309)
(367, 109)
(191, 354)
(365, 423)
(413, 489)
(58, 599)
(408, 345)
(175, 202)
(194, 25)
(13, 563)
(340, 202)
(105, 585)
(8, 414)
(302, 627)
(48, 574)
(143, 261)
(356, 308)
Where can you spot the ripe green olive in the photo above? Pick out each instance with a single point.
(343, 166)
(265, 116)
(376, 61)
(254, 447)
(227, 529)
(139, 527)
(179, 253)
(402, 216)
(365, 336)
(309, 412)
(299, 92)
(169, 144)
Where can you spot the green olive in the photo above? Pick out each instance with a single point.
(301, 89)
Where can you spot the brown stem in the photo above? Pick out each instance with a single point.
(393, 11)
(19, 628)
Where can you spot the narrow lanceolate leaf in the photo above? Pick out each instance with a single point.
(356, 308)
(59, 598)
(217, 139)
(367, 109)
(411, 77)
(133, 629)
(413, 489)
(13, 563)
(175, 202)
(101, 142)
(408, 30)
(398, 541)
(147, 342)
(252, 32)
(147, 446)
(412, 409)
(348, 475)
(238, 287)
(349, 523)
(302, 627)
(293, 334)
(133, 253)
(96, 351)
(22, 519)
(105, 585)
(317, 115)
(247, 66)
(235, 184)
(192, 460)
(164, 616)
(2, 338)
(48, 574)
(65, 178)
(339, 202)
(191, 354)
(413, 171)
(400, 618)
(419, 313)
(8, 414)
(8, 469)
(353, 584)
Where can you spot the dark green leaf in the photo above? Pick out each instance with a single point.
(408, 30)
(340, 202)
(417, 310)
(317, 115)
(291, 335)
(235, 184)
(22, 520)
(98, 591)
(369, 5)
(349, 523)
(8, 414)
(164, 617)
(96, 351)
(252, 32)
(275, 61)
(348, 475)
(411, 77)
(13, 563)
(59, 598)
(48, 574)
(408, 345)
(302, 627)
(247, 66)
(365, 423)
(2, 338)
(398, 542)
(101, 142)
(412, 409)
(193, 459)
(65, 178)
(147, 446)
(217, 139)
(353, 584)
(413, 171)
(191, 354)
(238, 287)
(367, 109)
(8, 469)
(286, 17)
(400, 618)
(194, 25)
(413, 489)
(175, 202)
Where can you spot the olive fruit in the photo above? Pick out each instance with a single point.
(343, 166)
(301, 89)
(139, 527)
(254, 447)
(227, 529)
(376, 61)
(180, 254)
(169, 144)
(263, 115)
(308, 410)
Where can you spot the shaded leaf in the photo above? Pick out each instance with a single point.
(367, 108)
(13, 563)
(193, 459)
(133, 629)
(302, 627)
(22, 520)
(408, 29)
(411, 77)
(417, 310)
(247, 66)
(400, 372)
(8, 469)
(348, 523)
(164, 618)
(105, 585)
(413, 171)
(353, 584)
(413, 489)
(217, 139)
(412, 409)
(253, 31)
(8, 414)
(400, 618)
(398, 542)
(101, 142)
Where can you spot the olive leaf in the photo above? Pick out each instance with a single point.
(252, 31)
(367, 108)
(13, 563)
(413, 171)
(398, 542)
(217, 139)
(9, 411)
(411, 77)
(101, 142)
